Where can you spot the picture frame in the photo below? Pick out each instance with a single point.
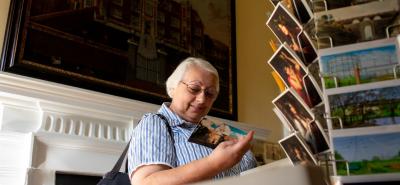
(124, 48)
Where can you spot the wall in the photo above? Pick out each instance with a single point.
(4, 5)
(256, 87)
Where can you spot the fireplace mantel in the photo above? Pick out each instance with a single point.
(47, 127)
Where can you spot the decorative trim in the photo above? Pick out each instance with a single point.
(72, 142)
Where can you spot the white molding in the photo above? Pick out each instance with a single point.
(68, 142)
(54, 92)
(89, 123)
(12, 175)
(15, 157)
(16, 149)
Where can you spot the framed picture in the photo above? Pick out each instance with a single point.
(122, 47)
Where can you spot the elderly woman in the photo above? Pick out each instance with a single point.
(156, 157)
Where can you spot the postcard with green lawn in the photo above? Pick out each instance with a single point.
(212, 132)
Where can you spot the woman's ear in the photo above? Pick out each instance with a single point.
(172, 92)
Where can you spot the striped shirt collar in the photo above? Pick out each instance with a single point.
(173, 118)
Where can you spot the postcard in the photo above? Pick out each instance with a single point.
(319, 115)
(303, 11)
(293, 110)
(288, 128)
(352, 24)
(299, 118)
(308, 49)
(285, 27)
(288, 4)
(313, 91)
(281, 117)
(367, 150)
(299, 8)
(293, 74)
(370, 179)
(212, 132)
(314, 71)
(359, 63)
(296, 150)
(370, 105)
(275, 2)
(315, 137)
(329, 4)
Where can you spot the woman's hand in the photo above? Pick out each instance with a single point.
(229, 153)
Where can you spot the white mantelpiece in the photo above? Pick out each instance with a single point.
(47, 127)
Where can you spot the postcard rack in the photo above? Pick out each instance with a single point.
(340, 64)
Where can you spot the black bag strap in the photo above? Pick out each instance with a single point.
(118, 165)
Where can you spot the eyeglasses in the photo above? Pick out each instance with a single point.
(196, 89)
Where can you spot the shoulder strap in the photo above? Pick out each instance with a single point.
(168, 126)
(118, 165)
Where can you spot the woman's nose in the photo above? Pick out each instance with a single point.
(201, 97)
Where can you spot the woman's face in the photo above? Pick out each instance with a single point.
(292, 109)
(194, 106)
(289, 71)
(298, 154)
(283, 29)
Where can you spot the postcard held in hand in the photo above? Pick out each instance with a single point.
(211, 132)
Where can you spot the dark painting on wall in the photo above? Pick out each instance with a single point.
(122, 47)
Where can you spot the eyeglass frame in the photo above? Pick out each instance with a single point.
(207, 94)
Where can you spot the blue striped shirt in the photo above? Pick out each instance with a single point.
(152, 144)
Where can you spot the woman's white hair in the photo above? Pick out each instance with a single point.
(176, 76)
